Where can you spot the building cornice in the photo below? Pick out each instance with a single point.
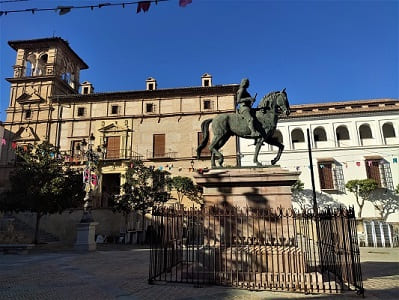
(149, 94)
(343, 108)
(46, 43)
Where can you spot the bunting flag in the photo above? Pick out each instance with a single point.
(395, 160)
(370, 163)
(62, 10)
(14, 145)
(183, 3)
(143, 6)
(358, 163)
(94, 179)
(3, 141)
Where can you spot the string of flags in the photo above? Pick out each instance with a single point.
(142, 6)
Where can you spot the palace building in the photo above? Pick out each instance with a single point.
(349, 140)
(160, 126)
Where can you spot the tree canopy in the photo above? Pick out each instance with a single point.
(41, 183)
(362, 189)
(144, 186)
(184, 186)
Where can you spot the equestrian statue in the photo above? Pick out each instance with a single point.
(257, 123)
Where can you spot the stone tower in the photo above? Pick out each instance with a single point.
(44, 68)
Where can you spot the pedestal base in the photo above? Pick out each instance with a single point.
(248, 187)
(85, 236)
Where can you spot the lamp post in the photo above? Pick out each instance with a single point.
(86, 227)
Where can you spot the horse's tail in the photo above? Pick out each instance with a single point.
(205, 136)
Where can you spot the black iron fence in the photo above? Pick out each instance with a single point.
(256, 248)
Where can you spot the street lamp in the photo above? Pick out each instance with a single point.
(89, 176)
(86, 227)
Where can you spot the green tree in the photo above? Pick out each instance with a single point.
(42, 184)
(385, 201)
(144, 186)
(184, 186)
(362, 189)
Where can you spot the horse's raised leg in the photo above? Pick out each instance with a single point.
(275, 142)
(259, 143)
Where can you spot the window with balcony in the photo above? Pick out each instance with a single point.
(112, 146)
(158, 145)
(380, 170)
(331, 175)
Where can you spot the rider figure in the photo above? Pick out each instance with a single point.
(245, 102)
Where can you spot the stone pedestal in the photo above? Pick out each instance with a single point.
(248, 187)
(85, 237)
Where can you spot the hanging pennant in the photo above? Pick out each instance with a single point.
(358, 163)
(321, 166)
(395, 160)
(3, 141)
(370, 163)
(143, 6)
(14, 145)
(183, 3)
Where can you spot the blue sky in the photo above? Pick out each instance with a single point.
(319, 50)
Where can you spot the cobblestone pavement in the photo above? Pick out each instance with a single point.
(121, 272)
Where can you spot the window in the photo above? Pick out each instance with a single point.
(342, 135)
(149, 107)
(298, 139)
(151, 86)
(388, 132)
(331, 175)
(81, 111)
(278, 136)
(112, 147)
(207, 104)
(158, 145)
(365, 132)
(379, 170)
(205, 151)
(206, 82)
(28, 114)
(320, 134)
(114, 109)
(86, 90)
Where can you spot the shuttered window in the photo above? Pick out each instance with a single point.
(113, 147)
(326, 176)
(373, 171)
(159, 145)
(205, 151)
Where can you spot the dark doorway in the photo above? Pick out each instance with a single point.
(110, 187)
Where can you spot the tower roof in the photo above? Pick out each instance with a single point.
(47, 42)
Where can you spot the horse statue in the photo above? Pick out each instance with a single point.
(227, 125)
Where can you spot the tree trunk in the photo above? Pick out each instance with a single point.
(36, 237)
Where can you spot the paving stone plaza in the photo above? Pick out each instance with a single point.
(121, 272)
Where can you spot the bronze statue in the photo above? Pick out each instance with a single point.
(266, 115)
(245, 102)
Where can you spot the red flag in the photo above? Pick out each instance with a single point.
(14, 145)
(183, 3)
(143, 5)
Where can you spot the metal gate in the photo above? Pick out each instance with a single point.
(258, 249)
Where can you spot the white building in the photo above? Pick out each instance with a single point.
(349, 140)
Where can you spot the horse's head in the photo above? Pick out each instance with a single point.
(276, 101)
(283, 106)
